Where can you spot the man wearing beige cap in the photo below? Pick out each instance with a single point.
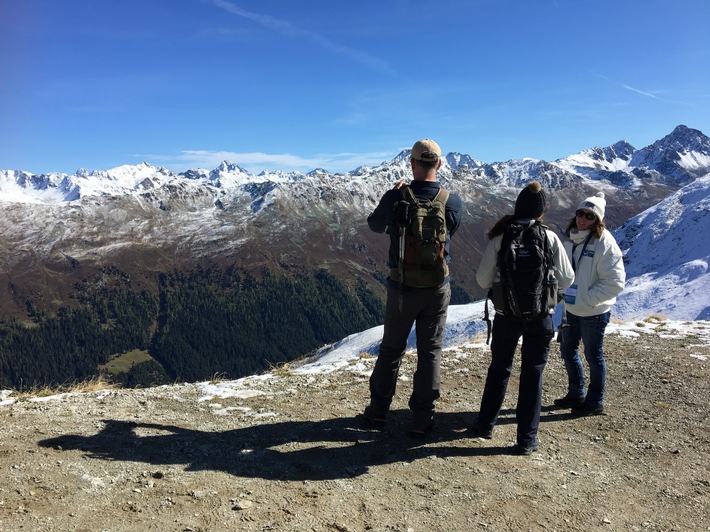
(416, 293)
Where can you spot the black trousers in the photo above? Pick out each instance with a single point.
(537, 336)
(426, 308)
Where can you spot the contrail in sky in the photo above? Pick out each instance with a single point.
(651, 95)
(642, 92)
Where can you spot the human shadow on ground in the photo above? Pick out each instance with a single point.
(290, 450)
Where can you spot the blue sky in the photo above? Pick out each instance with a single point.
(298, 85)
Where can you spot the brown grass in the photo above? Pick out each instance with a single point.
(92, 384)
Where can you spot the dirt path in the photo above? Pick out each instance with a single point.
(295, 457)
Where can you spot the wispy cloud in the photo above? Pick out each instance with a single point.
(212, 159)
(286, 28)
(256, 162)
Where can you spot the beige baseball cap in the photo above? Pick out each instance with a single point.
(426, 150)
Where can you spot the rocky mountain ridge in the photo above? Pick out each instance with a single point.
(57, 230)
(679, 157)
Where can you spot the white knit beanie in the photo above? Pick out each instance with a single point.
(596, 204)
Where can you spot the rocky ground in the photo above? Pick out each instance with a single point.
(292, 456)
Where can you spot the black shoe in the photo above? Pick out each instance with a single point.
(587, 410)
(569, 402)
(421, 431)
(372, 420)
(476, 432)
(525, 450)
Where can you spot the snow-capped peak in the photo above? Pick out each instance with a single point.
(683, 154)
(610, 159)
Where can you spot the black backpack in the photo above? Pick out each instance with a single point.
(422, 240)
(528, 288)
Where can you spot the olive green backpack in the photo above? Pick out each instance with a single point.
(422, 240)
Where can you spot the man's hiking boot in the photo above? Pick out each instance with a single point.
(525, 450)
(568, 402)
(421, 431)
(372, 420)
(587, 410)
(476, 432)
(422, 424)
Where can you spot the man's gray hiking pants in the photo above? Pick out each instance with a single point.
(426, 308)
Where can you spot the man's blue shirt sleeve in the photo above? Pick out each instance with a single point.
(454, 209)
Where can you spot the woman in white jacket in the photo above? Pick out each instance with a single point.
(599, 278)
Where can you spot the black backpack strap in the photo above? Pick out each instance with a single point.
(548, 246)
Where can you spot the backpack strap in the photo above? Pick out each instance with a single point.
(442, 195)
(408, 195)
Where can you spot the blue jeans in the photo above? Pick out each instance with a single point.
(537, 336)
(590, 331)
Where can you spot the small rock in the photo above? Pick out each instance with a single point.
(243, 505)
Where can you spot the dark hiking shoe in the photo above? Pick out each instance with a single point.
(476, 432)
(419, 431)
(525, 450)
(371, 420)
(568, 402)
(587, 410)
(371, 423)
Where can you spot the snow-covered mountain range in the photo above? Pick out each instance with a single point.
(674, 160)
(57, 229)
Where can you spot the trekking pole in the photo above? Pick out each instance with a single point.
(400, 267)
(402, 217)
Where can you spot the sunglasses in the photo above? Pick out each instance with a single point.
(586, 215)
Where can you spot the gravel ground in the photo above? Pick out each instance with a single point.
(293, 455)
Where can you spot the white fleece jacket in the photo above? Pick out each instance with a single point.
(599, 275)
